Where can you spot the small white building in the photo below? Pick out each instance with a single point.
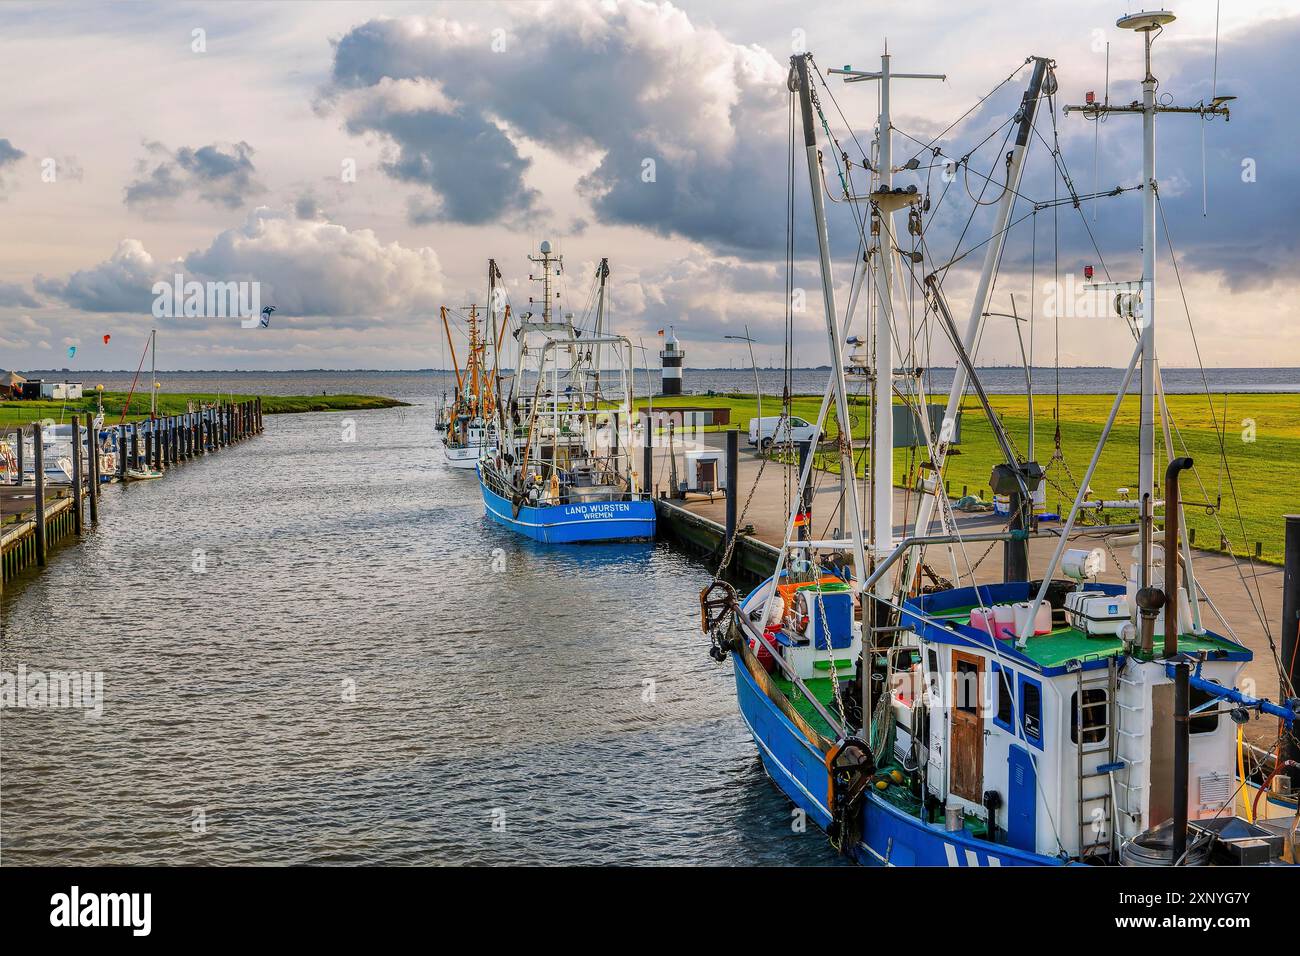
(706, 471)
(61, 391)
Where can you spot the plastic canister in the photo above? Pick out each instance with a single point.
(1004, 618)
(1042, 620)
(981, 618)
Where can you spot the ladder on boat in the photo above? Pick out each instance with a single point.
(1097, 712)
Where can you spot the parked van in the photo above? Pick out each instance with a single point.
(763, 431)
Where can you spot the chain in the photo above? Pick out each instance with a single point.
(731, 541)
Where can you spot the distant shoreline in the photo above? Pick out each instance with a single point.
(36, 373)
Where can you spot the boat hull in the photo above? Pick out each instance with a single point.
(890, 837)
(466, 457)
(576, 523)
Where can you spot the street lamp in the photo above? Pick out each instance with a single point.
(758, 390)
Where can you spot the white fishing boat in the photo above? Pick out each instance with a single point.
(466, 435)
(1044, 720)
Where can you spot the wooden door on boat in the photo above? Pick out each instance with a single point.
(966, 749)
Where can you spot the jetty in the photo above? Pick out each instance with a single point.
(37, 513)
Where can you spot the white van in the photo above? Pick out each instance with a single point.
(763, 431)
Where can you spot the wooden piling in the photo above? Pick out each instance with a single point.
(733, 480)
(121, 452)
(92, 468)
(38, 463)
(77, 516)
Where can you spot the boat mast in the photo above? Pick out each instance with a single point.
(882, 388)
(602, 274)
(1150, 25)
(835, 340)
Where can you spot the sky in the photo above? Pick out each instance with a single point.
(361, 162)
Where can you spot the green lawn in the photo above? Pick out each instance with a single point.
(1258, 480)
(14, 413)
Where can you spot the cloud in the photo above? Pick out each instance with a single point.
(9, 156)
(305, 268)
(307, 207)
(220, 174)
(682, 131)
(313, 267)
(13, 294)
(120, 283)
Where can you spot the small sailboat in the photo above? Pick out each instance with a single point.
(564, 472)
(1043, 720)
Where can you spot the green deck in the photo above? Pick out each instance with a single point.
(1065, 644)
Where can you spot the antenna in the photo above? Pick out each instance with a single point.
(1150, 24)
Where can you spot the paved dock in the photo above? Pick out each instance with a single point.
(1242, 590)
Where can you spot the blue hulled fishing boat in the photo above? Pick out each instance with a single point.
(1037, 720)
(562, 468)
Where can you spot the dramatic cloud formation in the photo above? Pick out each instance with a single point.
(217, 173)
(309, 267)
(683, 126)
(305, 267)
(120, 283)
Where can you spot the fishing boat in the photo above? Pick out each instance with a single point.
(564, 472)
(466, 435)
(1049, 718)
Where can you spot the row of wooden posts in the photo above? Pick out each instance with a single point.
(156, 444)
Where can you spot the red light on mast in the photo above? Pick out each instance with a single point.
(1090, 97)
(1087, 272)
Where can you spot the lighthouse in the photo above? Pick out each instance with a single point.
(670, 356)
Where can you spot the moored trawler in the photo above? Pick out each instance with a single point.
(1042, 720)
(466, 435)
(564, 472)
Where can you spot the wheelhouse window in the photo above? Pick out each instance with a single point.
(1088, 724)
(1005, 714)
(1031, 711)
(968, 688)
(1206, 722)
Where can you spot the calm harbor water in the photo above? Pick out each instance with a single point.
(348, 680)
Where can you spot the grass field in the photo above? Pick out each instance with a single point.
(1257, 485)
(15, 413)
